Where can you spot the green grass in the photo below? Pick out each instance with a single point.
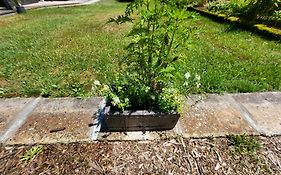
(232, 60)
(60, 51)
(244, 145)
(57, 51)
(31, 153)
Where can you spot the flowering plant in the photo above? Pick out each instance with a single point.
(154, 59)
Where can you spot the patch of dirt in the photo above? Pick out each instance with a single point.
(4, 83)
(114, 28)
(7, 21)
(177, 156)
(9, 88)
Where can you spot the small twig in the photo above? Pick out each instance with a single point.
(7, 155)
(182, 142)
(98, 167)
(273, 159)
(219, 157)
(57, 129)
(197, 163)
(190, 164)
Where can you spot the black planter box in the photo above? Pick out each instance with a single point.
(20, 9)
(139, 120)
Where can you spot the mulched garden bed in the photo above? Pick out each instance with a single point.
(177, 156)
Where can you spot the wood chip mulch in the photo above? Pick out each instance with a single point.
(176, 156)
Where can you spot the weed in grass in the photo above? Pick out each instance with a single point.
(245, 145)
(2, 91)
(31, 153)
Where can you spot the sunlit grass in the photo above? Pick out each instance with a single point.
(60, 51)
(232, 60)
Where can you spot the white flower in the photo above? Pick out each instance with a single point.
(198, 84)
(187, 75)
(147, 89)
(105, 88)
(115, 101)
(97, 83)
(197, 77)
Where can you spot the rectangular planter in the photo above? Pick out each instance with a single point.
(139, 120)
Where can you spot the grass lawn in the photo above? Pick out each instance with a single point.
(60, 51)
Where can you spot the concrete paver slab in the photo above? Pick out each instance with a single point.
(9, 108)
(6, 12)
(71, 119)
(265, 109)
(214, 116)
(58, 120)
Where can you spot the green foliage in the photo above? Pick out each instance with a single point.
(247, 9)
(277, 14)
(261, 8)
(150, 67)
(31, 153)
(232, 7)
(170, 99)
(245, 145)
(198, 3)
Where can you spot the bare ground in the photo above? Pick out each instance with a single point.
(177, 156)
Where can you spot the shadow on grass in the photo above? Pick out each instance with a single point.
(235, 26)
(259, 33)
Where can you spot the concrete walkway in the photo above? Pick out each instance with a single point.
(4, 12)
(42, 4)
(50, 120)
(47, 4)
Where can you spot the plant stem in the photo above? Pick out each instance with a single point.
(172, 40)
